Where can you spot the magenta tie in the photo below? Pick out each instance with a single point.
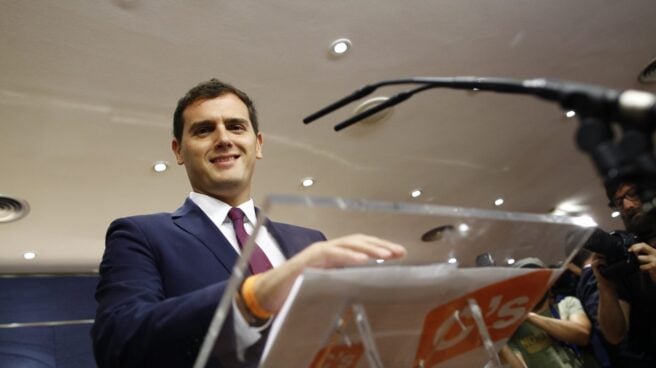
(259, 261)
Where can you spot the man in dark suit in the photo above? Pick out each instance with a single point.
(162, 275)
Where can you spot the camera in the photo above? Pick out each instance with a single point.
(615, 247)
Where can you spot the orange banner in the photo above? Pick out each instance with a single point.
(449, 330)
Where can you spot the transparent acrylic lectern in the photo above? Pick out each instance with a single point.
(453, 301)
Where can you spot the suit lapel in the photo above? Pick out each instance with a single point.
(288, 242)
(191, 219)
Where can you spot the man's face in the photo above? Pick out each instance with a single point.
(627, 201)
(219, 148)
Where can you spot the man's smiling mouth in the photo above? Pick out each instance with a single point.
(222, 159)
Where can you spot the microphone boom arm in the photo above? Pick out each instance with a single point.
(597, 107)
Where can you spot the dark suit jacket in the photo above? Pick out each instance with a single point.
(161, 278)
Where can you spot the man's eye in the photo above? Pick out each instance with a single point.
(202, 130)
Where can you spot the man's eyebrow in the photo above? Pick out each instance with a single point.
(200, 123)
(237, 120)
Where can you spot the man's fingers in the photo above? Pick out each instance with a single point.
(351, 250)
(642, 248)
(371, 246)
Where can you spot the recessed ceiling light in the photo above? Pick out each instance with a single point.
(380, 261)
(160, 166)
(12, 209)
(453, 260)
(570, 114)
(371, 103)
(584, 221)
(340, 46)
(307, 182)
(437, 233)
(415, 193)
(498, 202)
(570, 207)
(463, 228)
(510, 261)
(615, 214)
(29, 255)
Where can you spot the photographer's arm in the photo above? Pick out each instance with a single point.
(613, 313)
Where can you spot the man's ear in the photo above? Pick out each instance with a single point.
(176, 146)
(258, 148)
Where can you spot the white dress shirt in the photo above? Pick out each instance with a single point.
(217, 211)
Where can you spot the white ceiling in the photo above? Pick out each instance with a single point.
(88, 88)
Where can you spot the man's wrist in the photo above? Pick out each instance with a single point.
(246, 313)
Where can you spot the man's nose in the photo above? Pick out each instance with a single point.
(222, 137)
(628, 203)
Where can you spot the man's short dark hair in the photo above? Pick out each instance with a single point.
(212, 88)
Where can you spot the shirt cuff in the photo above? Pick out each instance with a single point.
(246, 335)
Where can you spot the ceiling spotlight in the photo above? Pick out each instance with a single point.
(415, 193)
(584, 221)
(615, 214)
(453, 260)
(570, 114)
(379, 261)
(160, 166)
(498, 202)
(570, 207)
(307, 182)
(463, 228)
(510, 261)
(371, 103)
(29, 255)
(340, 46)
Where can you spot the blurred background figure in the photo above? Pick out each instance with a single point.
(553, 333)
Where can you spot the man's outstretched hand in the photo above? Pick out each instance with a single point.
(273, 286)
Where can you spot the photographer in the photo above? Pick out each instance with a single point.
(627, 303)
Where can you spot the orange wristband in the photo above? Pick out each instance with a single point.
(248, 295)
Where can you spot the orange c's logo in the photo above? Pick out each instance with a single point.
(450, 330)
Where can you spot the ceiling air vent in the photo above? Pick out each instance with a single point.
(12, 209)
(648, 73)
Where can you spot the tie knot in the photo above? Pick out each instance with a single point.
(235, 214)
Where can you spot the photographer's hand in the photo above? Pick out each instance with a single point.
(598, 263)
(646, 255)
(612, 313)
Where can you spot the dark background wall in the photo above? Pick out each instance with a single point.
(30, 299)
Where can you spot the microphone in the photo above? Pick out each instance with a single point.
(338, 104)
(638, 106)
(629, 107)
(380, 107)
(364, 91)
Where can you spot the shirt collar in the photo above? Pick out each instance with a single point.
(217, 210)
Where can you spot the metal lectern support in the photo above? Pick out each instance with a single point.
(485, 335)
(364, 328)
